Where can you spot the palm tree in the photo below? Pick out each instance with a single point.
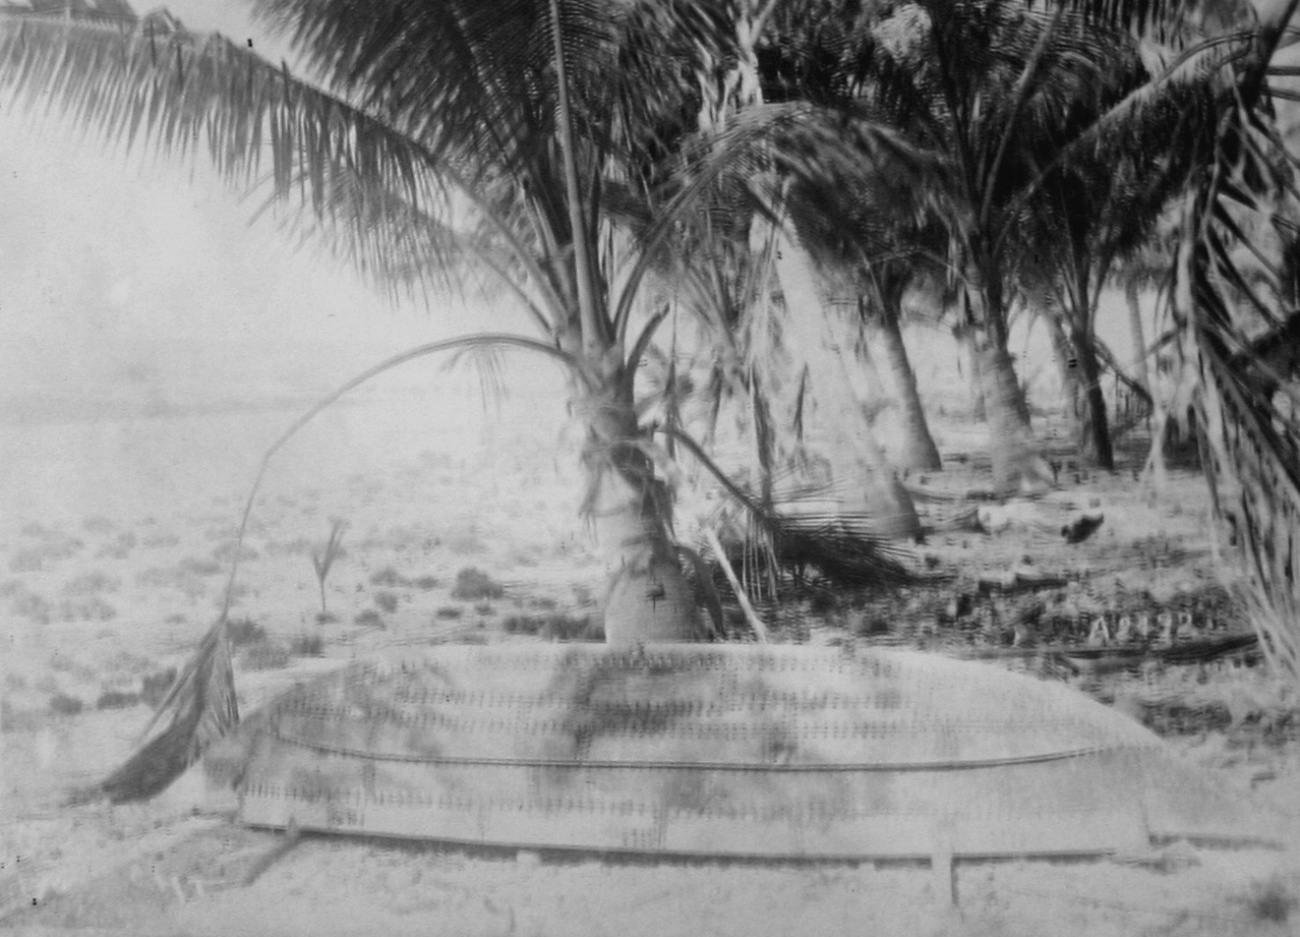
(1092, 211)
(853, 242)
(985, 93)
(971, 107)
(1149, 269)
(446, 138)
(734, 86)
(883, 304)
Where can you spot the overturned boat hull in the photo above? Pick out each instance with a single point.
(746, 751)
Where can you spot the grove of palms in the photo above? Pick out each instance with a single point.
(610, 163)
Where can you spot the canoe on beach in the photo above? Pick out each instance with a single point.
(718, 750)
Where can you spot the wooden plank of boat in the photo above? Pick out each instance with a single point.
(720, 750)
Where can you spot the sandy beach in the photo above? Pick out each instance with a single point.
(116, 546)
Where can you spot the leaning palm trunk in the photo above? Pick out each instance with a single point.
(979, 408)
(918, 450)
(852, 442)
(728, 89)
(1017, 463)
(862, 372)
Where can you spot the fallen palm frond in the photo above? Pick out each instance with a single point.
(201, 702)
(203, 707)
(842, 549)
(801, 541)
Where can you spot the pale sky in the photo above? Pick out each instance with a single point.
(116, 269)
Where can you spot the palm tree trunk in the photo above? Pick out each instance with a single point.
(1068, 365)
(1094, 428)
(965, 336)
(876, 399)
(1081, 385)
(647, 599)
(1138, 334)
(1017, 463)
(919, 450)
(882, 495)
(979, 408)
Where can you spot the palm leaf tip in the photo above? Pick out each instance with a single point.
(202, 707)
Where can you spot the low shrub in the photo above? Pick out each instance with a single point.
(555, 627)
(64, 705)
(473, 584)
(369, 619)
(27, 561)
(91, 584)
(1271, 901)
(31, 606)
(154, 686)
(116, 699)
(307, 645)
(199, 567)
(387, 577)
(244, 631)
(265, 655)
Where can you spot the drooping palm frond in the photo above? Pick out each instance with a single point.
(203, 708)
(453, 136)
(200, 705)
(1256, 485)
(1249, 430)
(1247, 411)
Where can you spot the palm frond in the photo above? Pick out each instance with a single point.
(1255, 476)
(785, 539)
(1175, 21)
(1251, 445)
(447, 108)
(203, 708)
(200, 705)
(762, 147)
(186, 95)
